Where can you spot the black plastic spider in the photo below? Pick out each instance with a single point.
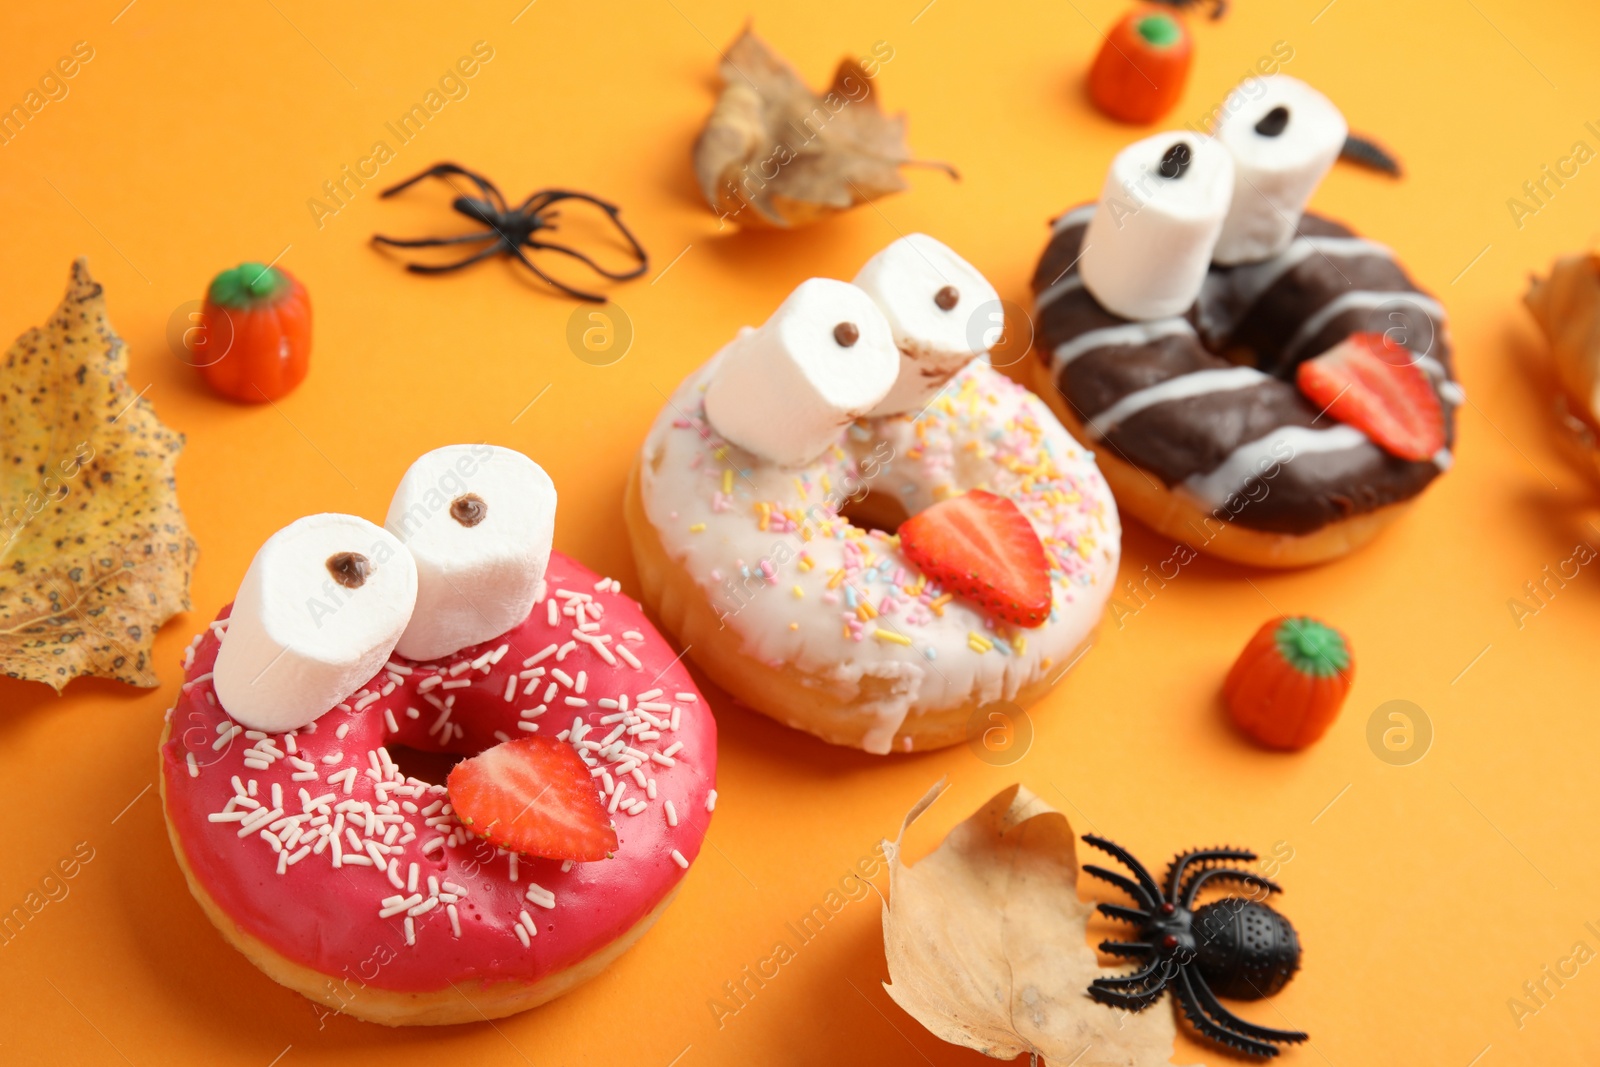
(512, 229)
(1237, 946)
(1218, 7)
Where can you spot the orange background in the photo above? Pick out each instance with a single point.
(1425, 894)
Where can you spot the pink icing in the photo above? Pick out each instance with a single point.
(275, 874)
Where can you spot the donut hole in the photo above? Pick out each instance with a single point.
(430, 767)
(875, 511)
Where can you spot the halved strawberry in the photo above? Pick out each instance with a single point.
(980, 547)
(533, 796)
(1373, 384)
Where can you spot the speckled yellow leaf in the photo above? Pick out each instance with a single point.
(94, 552)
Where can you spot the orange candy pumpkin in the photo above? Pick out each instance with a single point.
(1142, 66)
(1288, 684)
(254, 341)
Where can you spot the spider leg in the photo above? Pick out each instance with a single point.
(444, 170)
(444, 268)
(591, 264)
(1132, 888)
(1122, 914)
(1213, 1007)
(1137, 950)
(1227, 874)
(545, 197)
(1125, 857)
(1183, 990)
(1182, 860)
(1131, 1001)
(594, 298)
(429, 242)
(1153, 969)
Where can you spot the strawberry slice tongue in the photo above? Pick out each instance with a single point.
(981, 547)
(1370, 382)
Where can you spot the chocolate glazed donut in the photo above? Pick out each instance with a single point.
(1206, 402)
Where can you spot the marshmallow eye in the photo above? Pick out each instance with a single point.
(1274, 122)
(318, 613)
(478, 520)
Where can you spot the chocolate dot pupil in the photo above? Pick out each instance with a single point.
(846, 334)
(947, 297)
(1176, 161)
(1273, 122)
(349, 569)
(469, 509)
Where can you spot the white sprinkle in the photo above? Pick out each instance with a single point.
(428, 683)
(455, 920)
(665, 761)
(388, 717)
(616, 796)
(398, 668)
(576, 702)
(458, 684)
(672, 749)
(411, 930)
(511, 688)
(672, 814)
(566, 648)
(344, 728)
(677, 857)
(529, 727)
(711, 800)
(366, 702)
(541, 654)
(553, 612)
(194, 766)
(583, 681)
(521, 930)
(562, 676)
(333, 757)
(650, 788)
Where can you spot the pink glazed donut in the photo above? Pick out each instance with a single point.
(354, 884)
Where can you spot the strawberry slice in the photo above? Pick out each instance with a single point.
(980, 547)
(1373, 384)
(533, 796)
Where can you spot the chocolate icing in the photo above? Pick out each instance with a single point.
(1257, 315)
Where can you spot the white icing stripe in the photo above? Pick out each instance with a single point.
(1265, 275)
(1182, 387)
(1359, 298)
(1076, 216)
(1130, 333)
(1055, 292)
(1251, 459)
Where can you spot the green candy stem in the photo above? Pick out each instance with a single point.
(1313, 648)
(249, 285)
(1160, 31)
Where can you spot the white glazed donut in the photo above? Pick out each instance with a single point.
(824, 624)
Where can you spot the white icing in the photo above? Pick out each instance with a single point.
(1248, 283)
(965, 441)
(1249, 460)
(1358, 298)
(1184, 386)
(1130, 333)
(1051, 293)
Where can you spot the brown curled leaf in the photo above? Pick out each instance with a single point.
(774, 153)
(1566, 305)
(986, 943)
(94, 551)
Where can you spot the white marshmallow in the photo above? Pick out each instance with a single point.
(1149, 244)
(312, 622)
(1274, 173)
(825, 358)
(911, 281)
(478, 520)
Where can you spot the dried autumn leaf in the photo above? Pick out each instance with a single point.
(792, 156)
(985, 939)
(96, 553)
(1566, 306)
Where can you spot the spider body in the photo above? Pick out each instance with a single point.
(1236, 946)
(509, 230)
